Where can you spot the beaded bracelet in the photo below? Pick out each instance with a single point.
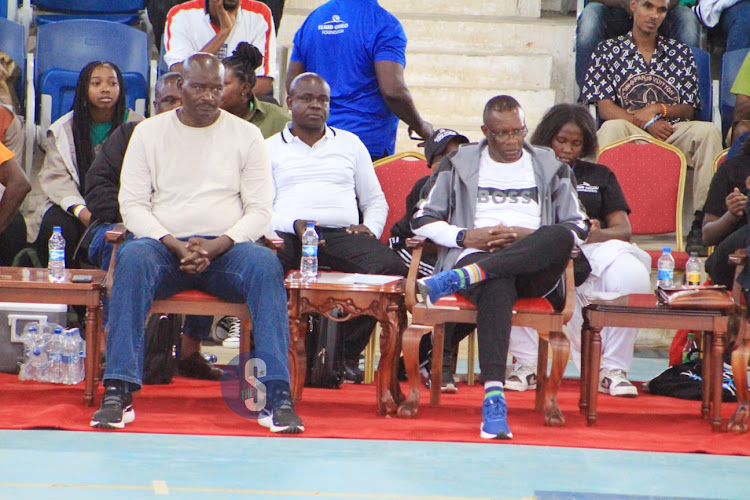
(663, 109)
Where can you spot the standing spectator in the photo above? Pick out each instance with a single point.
(359, 49)
(642, 83)
(217, 27)
(238, 97)
(71, 144)
(604, 19)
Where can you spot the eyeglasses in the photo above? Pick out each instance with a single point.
(513, 134)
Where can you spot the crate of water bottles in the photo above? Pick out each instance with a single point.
(52, 354)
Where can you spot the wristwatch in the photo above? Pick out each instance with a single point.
(460, 238)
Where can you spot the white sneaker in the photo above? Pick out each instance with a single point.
(227, 331)
(522, 378)
(615, 383)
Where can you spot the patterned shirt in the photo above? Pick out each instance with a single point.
(619, 72)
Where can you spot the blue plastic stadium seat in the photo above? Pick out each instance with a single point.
(12, 42)
(118, 11)
(703, 62)
(730, 66)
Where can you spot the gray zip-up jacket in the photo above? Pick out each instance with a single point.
(452, 196)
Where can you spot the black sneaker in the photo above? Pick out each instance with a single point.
(352, 374)
(116, 409)
(448, 383)
(282, 419)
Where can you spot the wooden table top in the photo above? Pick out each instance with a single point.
(645, 303)
(334, 281)
(29, 277)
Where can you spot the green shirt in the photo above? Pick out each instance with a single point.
(741, 83)
(268, 117)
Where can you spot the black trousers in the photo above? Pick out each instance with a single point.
(12, 239)
(348, 253)
(530, 267)
(72, 230)
(718, 267)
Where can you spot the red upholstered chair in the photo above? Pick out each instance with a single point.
(652, 176)
(397, 175)
(535, 313)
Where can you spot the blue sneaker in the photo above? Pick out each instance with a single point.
(440, 285)
(494, 413)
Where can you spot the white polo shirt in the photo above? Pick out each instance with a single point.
(189, 29)
(329, 182)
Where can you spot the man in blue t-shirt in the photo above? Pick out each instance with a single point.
(358, 48)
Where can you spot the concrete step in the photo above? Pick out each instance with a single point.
(466, 34)
(454, 70)
(524, 8)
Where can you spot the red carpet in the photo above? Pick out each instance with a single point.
(647, 423)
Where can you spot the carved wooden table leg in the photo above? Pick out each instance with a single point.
(583, 402)
(707, 374)
(717, 375)
(93, 334)
(553, 416)
(297, 354)
(389, 393)
(410, 345)
(738, 422)
(595, 353)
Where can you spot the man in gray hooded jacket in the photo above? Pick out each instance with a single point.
(507, 216)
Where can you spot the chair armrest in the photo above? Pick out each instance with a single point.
(272, 241)
(417, 244)
(116, 236)
(738, 259)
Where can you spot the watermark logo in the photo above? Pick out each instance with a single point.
(244, 385)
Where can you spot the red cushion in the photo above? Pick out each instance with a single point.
(194, 295)
(680, 259)
(531, 305)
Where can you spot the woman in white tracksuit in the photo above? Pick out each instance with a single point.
(616, 264)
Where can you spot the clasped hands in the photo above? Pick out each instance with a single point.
(196, 254)
(661, 129)
(300, 225)
(491, 239)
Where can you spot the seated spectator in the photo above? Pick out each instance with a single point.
(325, 175)
(725, 221)
(102, 188)
(655, 93)
(495, 248)
(604, 19)
(740, 131)
(238, 97)
(14, 189)
(729, 18)
(193, 242)
(11, 130)
(217, 27)
(616, 264)
(71, 144)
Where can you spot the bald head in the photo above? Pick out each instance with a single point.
(306, 78)
(202, 61)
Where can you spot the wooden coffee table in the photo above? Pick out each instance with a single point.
(30, 285)
(642, 311)
(355, 295)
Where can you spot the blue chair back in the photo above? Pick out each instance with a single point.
(117, 11)
(64, 48)
(703, 62)
(13, 43)
(730, 66)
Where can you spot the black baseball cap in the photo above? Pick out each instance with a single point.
(439, 140)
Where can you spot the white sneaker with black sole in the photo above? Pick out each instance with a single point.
(615, 383)
(227, 332)
(522, 378)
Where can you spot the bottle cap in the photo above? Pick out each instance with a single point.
(310, 224)
(694, 254)
(57, 229)
(667, 250)
(691, 336)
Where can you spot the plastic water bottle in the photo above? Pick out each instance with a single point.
(309, 265)
(693, 270)
(80, 368)
(55, 355)
(71, 347)
(56, 263)
(34, 366)
(665, 266)
(690, 352)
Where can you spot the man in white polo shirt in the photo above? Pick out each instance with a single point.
(325, 175)
(217, 27)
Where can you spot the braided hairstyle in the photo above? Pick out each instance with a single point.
(82, 119)
(243, 62)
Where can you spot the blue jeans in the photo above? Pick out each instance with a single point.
(100, 253)
(598, 22)
(147, 270)
(734, 24)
